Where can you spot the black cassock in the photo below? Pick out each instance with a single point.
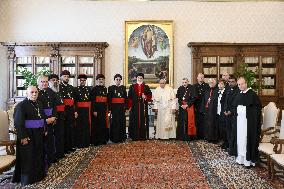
(198, 106)
(29, 122)
(48, 99)
(253, 115)
(228, 106)
(59, 126)
(83, 121)
(210, 103)
(117, 103)
(100, 130)
(67, 93)
(186, 128)
(138, 116)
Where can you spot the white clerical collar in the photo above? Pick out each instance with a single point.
(246, 90)
(140, 83)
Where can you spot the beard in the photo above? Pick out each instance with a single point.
(54, 87)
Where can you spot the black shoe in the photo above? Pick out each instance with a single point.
(72, 150)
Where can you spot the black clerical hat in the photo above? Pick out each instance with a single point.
(100, 76)
(51, 76)
(83, 76)
(140, 74)
(65, 72)
(117, 75)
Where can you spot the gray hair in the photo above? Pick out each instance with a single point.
(40, 77)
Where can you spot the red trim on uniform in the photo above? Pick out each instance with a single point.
(68, 101)
(101, 99)
(83, 104)
(148, 97)
(191, 129)
(129, 103)
(60, 108)
(118, 100)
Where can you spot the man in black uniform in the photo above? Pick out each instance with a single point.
(48, 98)
(100, 128)
(200, 88)
(117, 103)
(229, 113)
(60, 118)
(186, 95)
(67, 93)
(83, 106)
(30, 121)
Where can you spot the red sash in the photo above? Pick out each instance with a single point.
(86, 105)
(191, 129)
(101, 99)
(60, 108)
(68, 101)
(117, 100)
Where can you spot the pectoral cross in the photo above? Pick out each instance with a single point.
(38, 114)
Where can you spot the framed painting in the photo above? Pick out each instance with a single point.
(148, 49)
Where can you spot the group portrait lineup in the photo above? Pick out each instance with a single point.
(56, 118)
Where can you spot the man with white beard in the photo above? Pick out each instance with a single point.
(248, 120)
(165, 106)
(53, 82)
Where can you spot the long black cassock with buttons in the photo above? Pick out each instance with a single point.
(83, 121)
(67, 93)
(48, 99)
(59, 126)
(100, 130)
(186, 129)
(117, 103)
(199, 114)
(29, 122)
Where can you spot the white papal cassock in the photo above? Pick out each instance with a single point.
(165, 101)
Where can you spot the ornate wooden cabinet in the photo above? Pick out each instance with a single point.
(213, 59)
(77, 57)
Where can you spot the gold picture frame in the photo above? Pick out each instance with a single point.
(149, 49)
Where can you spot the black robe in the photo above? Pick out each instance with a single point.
(138, 116)
(186, 95)
(67, 93)
(59, 126)
(30, 166)
(253, 115)
(117, 97)
(100, 126)
(210, 109)
(228, 107)
(199, 114)
(83, 121)
(48, 99)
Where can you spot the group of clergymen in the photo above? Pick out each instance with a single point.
(56, 118)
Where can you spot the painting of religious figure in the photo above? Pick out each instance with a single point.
(148, 49)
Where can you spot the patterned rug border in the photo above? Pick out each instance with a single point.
(213, 179)
(74, 174)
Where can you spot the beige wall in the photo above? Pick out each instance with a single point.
(37, 20)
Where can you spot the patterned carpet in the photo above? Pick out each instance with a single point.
(152, 164)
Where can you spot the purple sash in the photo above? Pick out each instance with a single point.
(48, 111)
(33, 124)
